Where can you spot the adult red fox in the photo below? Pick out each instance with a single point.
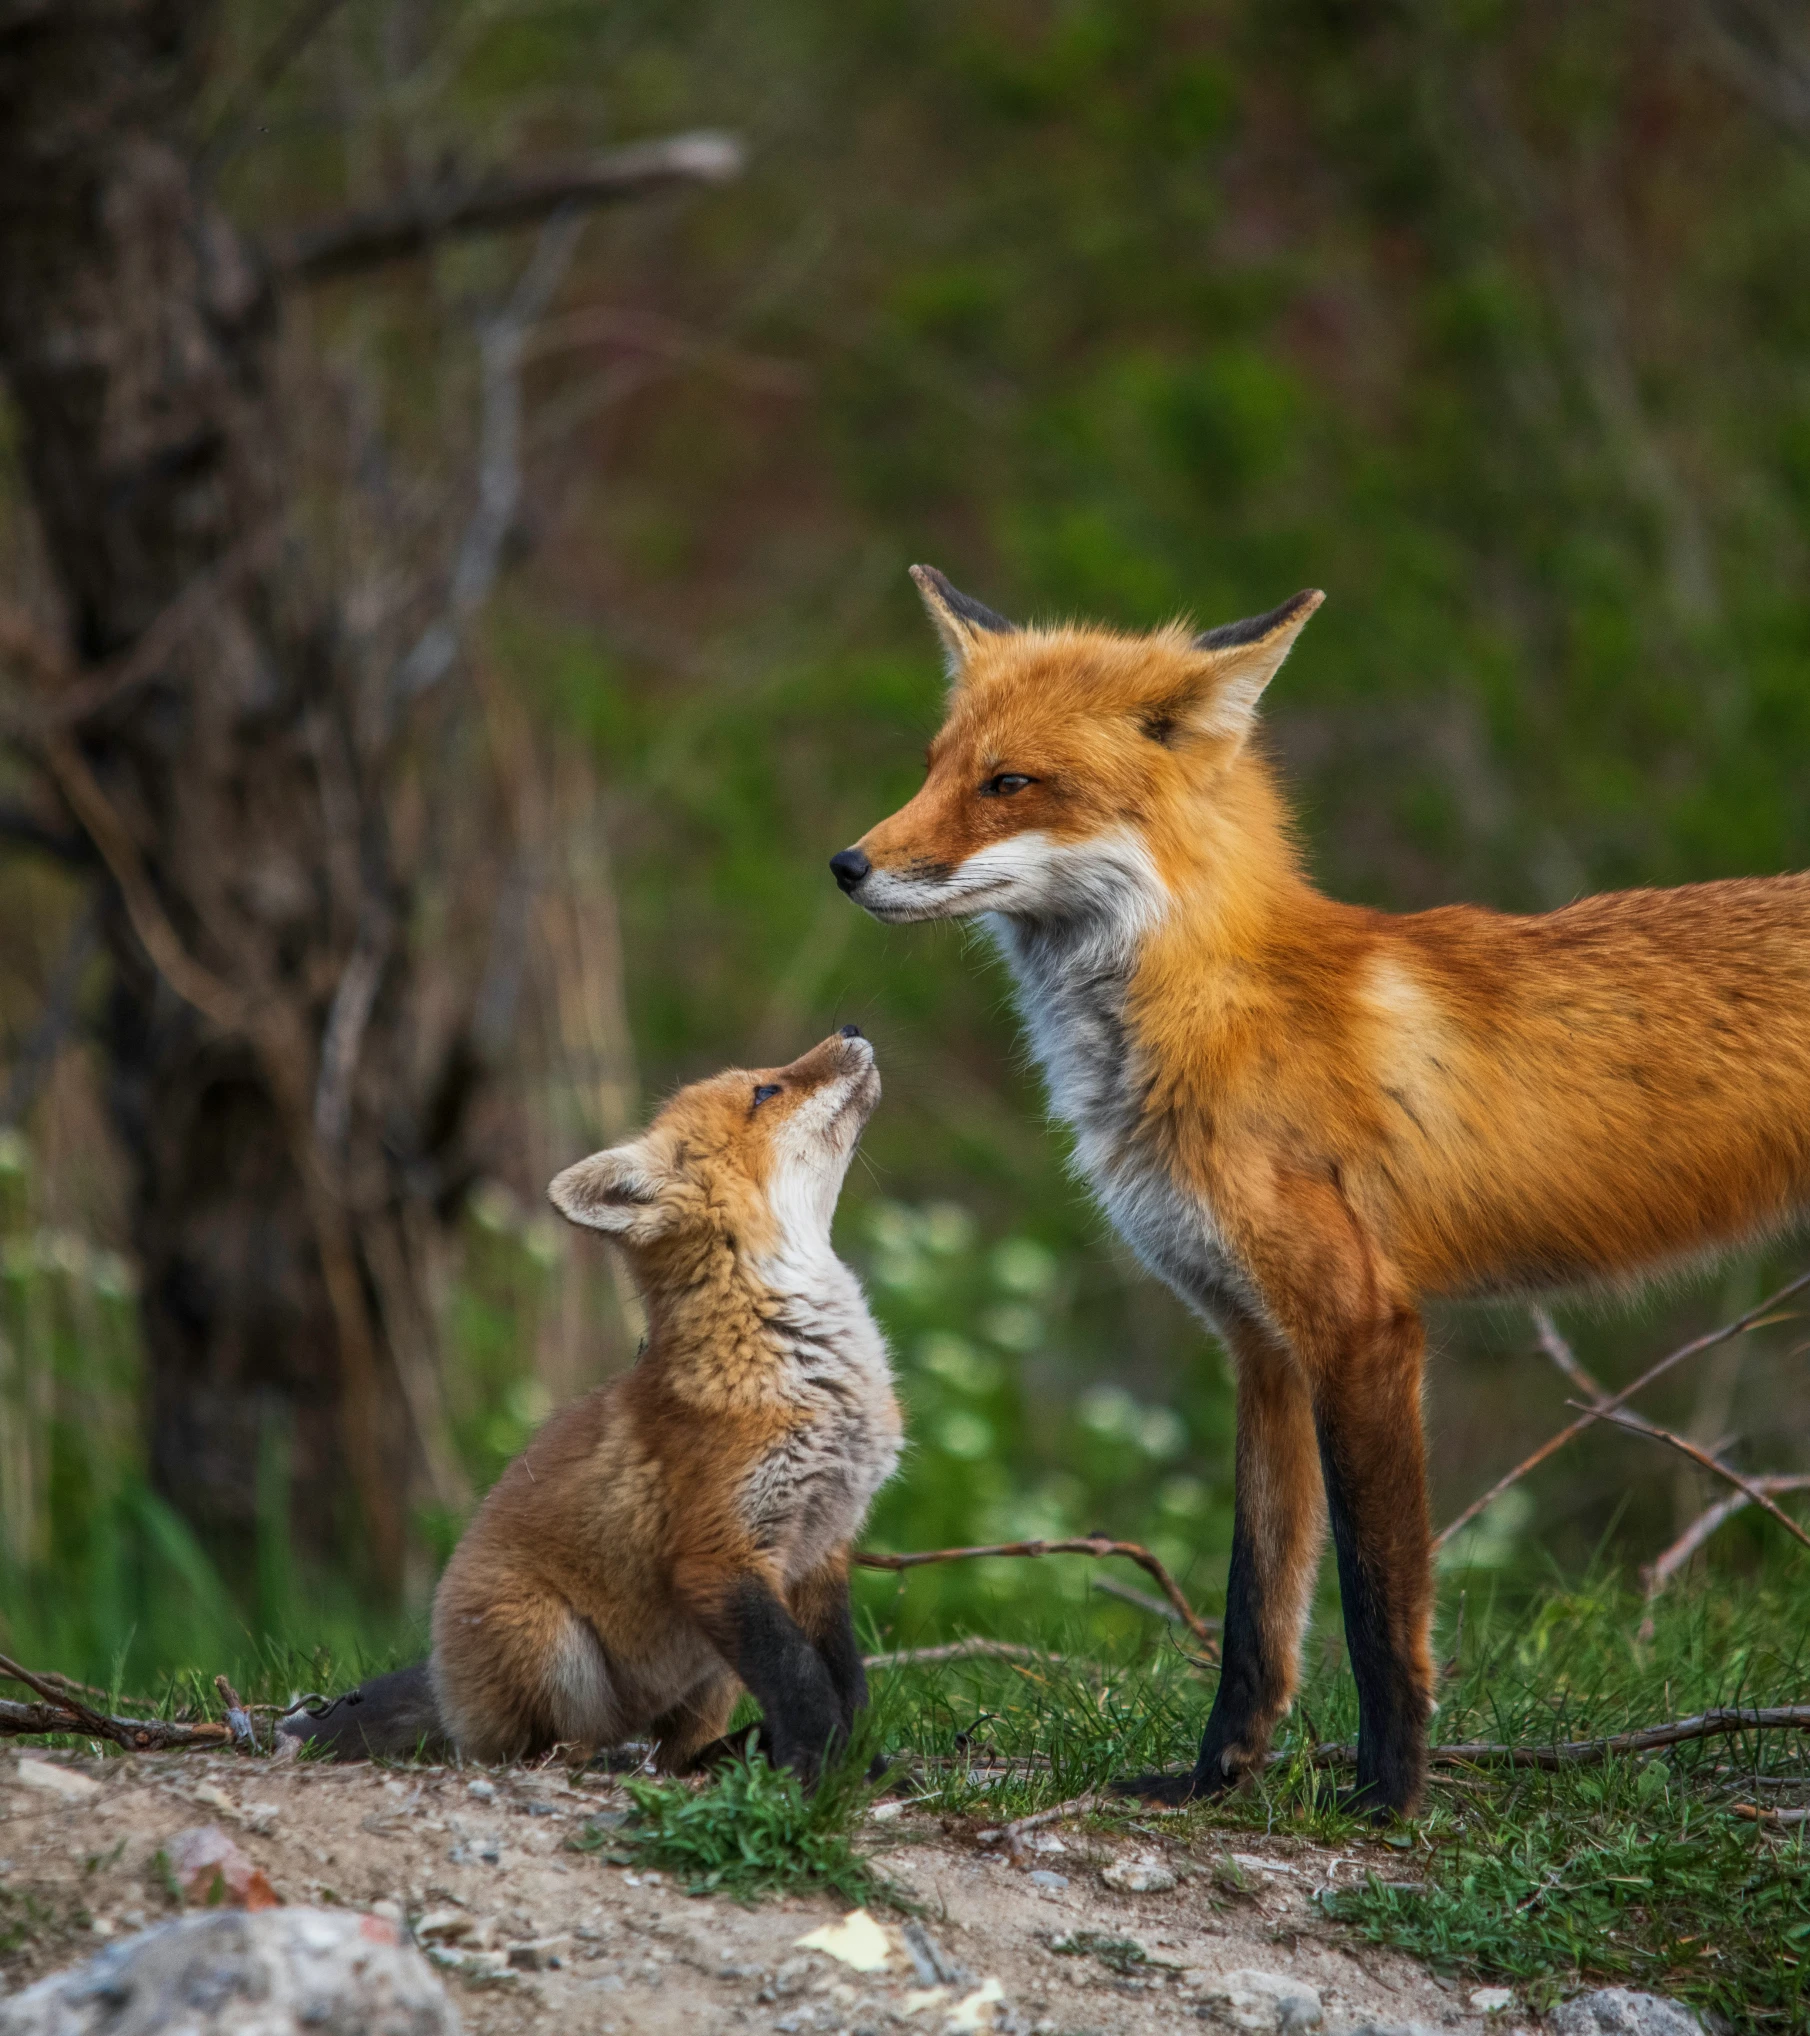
(1305, 1116)
(681, 1533)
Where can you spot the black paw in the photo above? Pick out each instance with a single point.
(1372, 1803)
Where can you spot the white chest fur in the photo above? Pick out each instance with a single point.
(1073, 979)
(810, 1494)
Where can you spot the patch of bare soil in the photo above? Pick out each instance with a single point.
(533, 1935)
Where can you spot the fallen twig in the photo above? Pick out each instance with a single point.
(136, 1735)
(1588, 1752)
(1607, 1403)
(62, 1711)
(1013, 1835)
(1764, 1816)
(975, 1648)
(1204, 1630)
(237, 1719)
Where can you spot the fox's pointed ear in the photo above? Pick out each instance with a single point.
(1245, 657)
(960, 620)
(617, 1192)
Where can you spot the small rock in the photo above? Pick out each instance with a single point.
(213, 1798)
(1043, 1877)
(1138, 1877)
(261, 1817)
(1492, 2000)
(212, 1872)
(1615, 2011)
(483, 1790)
(289, 1972)
(1393, 2029)
(57, 1781)
(539, 1954)
(884, 1813)
(443, 1924)
(1261, 2003)
(932, 1964)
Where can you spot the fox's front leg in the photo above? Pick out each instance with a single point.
(1278, 1526)
(751, 1628)
(821, 1605)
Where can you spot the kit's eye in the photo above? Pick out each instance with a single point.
(765, 1093)
(1003, 786)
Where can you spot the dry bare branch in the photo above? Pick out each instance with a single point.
(386, 233)
(1609, 1403)
(1110, 1586)
(1204, 1630)
(500, 344)
(1635, 1425)
(1661, 1570)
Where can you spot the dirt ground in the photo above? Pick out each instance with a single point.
(532, 1935)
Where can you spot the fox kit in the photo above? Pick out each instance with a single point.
(682, 1533)
(1305, 1116)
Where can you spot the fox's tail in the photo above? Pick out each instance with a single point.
(388, 1718)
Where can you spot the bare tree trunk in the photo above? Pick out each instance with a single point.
(273, 1159)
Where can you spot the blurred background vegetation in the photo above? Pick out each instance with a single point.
(1492, 321)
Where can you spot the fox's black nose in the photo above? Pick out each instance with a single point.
(851, 1032)
(848, 866)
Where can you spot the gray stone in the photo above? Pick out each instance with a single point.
(1261, 2003)
(1615, 2011)
(1392, 2029)
(278, 1972)
(1138, 1877)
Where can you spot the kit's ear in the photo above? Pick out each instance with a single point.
(960, 620)
(1244, 657)
(617, 1192)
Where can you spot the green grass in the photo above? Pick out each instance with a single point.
(1634, 1872)
(751, 1831)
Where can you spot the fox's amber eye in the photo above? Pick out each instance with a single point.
(1003, 786)
(765, 1093)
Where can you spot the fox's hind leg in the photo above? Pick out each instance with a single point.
(1362, 1345)
(691, 1733)
(1278, 1527)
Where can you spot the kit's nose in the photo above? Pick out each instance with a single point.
(848, 866)
(851, 1032)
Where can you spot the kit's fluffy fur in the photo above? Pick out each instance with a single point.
(682, 1533)
(1305, 1115)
